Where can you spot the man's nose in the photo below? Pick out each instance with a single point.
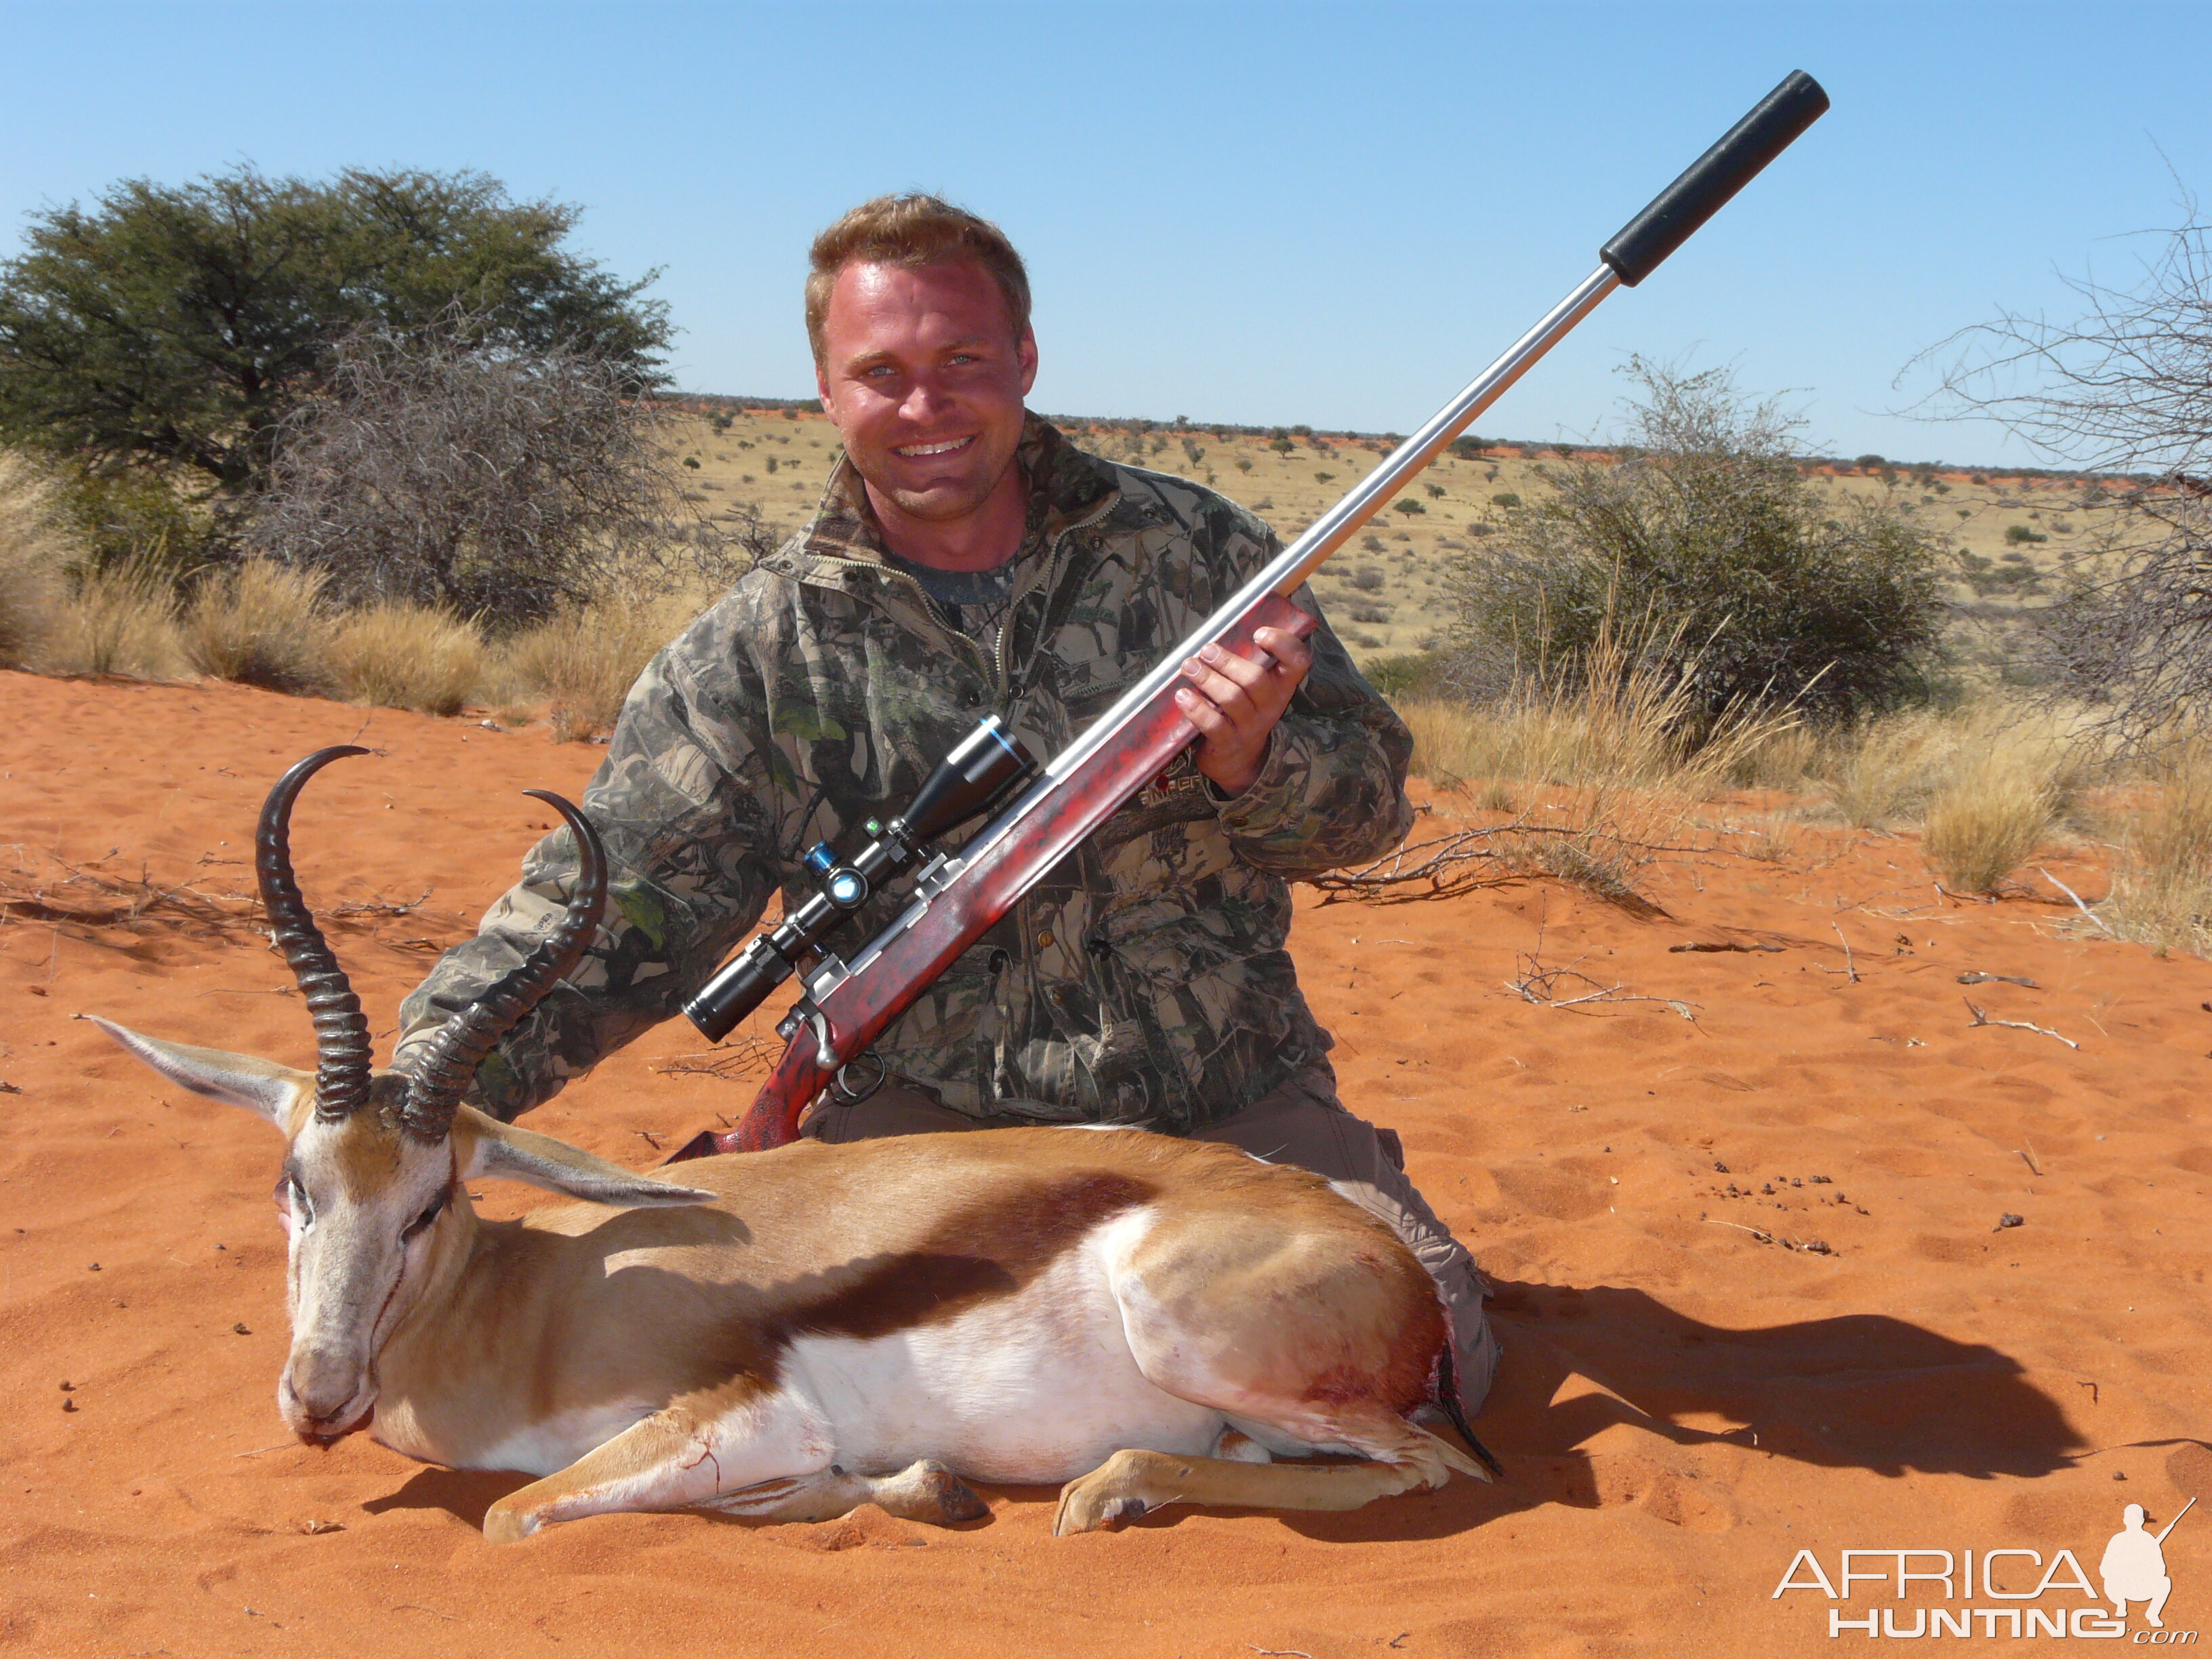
(925, 401)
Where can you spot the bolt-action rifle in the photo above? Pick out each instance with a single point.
(1043, 812)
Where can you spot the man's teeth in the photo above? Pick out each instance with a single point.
(945, 448)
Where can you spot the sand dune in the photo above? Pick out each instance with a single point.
(1684, 1404)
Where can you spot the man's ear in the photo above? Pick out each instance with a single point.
(1025, 353)
(484, 1148)
(261, 1086)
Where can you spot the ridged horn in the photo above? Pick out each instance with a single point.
(442, 1074)
(342, 1045)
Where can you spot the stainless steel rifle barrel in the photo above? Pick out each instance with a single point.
(1633, 254)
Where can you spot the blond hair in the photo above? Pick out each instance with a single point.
(912, 230)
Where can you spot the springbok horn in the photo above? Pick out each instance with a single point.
(342, 1048)
(443, 1072)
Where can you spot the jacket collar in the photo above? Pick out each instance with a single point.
(1066, 488)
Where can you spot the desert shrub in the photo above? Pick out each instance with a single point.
(261, 624)
(440, 474)
(1411, 677)
(1436, 492)
(1778, 595)
(1505, 498)
(1408, 504)
(397, 655)
(121, 620)
(1994, 810)
(2020, 534)
(1369, 579)
(2162, 889)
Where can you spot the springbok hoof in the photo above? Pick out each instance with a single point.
(950, 1496)
(506, 1525)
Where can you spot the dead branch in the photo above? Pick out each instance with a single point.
(742, 1058)
(1981, 1018)
(1441, 868)
(1545, 987)
(86, 901)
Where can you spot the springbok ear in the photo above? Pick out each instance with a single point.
(261, 1086)
(489, 1148)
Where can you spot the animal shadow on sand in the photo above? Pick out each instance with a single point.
(1861, 1391)
(1857, 1391)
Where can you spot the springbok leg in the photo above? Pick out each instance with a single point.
(1134, 1483)
(923, 1491)
(684, 1456)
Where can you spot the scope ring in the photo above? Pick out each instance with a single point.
(845, 1092)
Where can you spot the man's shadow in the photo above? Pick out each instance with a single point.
(1859, 1391)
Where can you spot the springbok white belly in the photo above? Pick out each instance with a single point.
(1036, 1387)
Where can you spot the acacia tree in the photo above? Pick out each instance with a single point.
(152, 345)
(2126, 386)
(500, 484)
(1703, 541)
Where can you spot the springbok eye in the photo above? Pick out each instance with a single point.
(292, 1199)
(427, 1216)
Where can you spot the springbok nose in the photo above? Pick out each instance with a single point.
(324, 1383)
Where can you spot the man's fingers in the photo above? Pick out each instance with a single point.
(1222, 692)
(1247, 673)
(1203, 714)
(1285, 647)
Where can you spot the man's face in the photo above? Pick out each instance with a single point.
(923, 375)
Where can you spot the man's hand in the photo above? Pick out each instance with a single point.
(1235, 703)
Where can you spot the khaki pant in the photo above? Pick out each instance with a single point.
(1301, 1123)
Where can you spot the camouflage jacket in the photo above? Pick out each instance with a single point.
(1144, 981)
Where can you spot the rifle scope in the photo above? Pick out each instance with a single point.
(981, 767)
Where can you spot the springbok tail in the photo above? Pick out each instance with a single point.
(1447, 1402)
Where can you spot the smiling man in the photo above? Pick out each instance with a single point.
(967, 558)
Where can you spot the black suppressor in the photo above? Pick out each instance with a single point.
(987, 762)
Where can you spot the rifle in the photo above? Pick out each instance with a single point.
(957, 897)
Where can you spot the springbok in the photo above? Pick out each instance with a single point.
(801, 1331)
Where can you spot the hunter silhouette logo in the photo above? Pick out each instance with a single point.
(2015, 1583)
(2134, 1567)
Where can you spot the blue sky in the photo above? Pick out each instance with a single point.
(1328, 213)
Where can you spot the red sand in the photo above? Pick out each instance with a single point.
(1935, 1384)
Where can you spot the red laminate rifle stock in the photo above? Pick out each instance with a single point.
(900, 964)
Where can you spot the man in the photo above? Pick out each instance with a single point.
(966, 558)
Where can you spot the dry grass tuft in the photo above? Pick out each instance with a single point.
(1887, 769)
(262, 624)
(1999, 800)
(407, 656)
(1625, 756)
(585, 660)
(28, 587)
(121, 621)
(2162, 891)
